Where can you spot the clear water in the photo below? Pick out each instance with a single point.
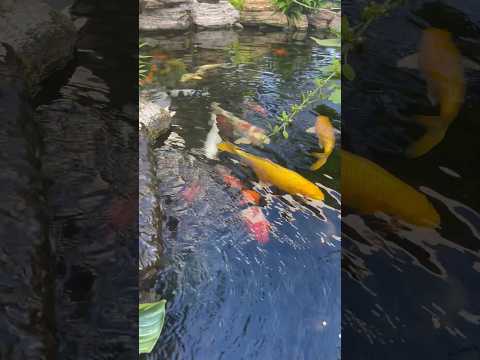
(230, 297)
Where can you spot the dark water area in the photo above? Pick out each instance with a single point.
(87, 117)
(228, 296)
(410, 292)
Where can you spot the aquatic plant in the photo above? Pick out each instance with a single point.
(325, 89)
(237, 4)
(143, 64)
(151, 320)
(295, 8)
(352, 36)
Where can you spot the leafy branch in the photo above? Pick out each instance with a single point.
(352, 36)
(325, 89)
(142, 63)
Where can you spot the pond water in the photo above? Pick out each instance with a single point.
(229, 296)
(386, 267)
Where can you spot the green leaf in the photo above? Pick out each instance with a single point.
(328, 42)
(285, 134)
(348, 72)
(347, 33)
(336, 96)
(151, 320)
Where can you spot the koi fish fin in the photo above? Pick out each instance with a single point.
(243, 140)
(470, 64)
(322, 159)
(409, 62)
(433, 136)
(228, 147)
(311, 130)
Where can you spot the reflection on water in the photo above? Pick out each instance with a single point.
(411, 292)
(229, 296)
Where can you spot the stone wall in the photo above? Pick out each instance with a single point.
(214, 14)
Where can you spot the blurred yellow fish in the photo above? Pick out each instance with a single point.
(442, 65)
(269, 172)
(200, 72)
(326, 136)
(369, 188)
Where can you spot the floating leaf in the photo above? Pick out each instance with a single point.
(151, 320)
(348, 71)
(328, 42)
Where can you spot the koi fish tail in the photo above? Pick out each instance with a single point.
(433, 136)
(228, 147)
(322, 159)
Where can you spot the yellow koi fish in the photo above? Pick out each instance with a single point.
(368, 188)
(442, 65)
(200, 72)
(326, 136)
(269, 172)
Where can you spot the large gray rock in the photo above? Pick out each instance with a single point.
(42, 37)
(155, 118)
(219, 15)
(165, 15)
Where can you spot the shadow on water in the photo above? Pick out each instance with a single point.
(385, 266)
(230, 297)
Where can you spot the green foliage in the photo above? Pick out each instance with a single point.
(327, 88)
(237, 4)
(143, 64)
(295, 8)
(352, 36)
(151, 320)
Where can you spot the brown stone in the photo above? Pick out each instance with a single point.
(270, 18)
(300, 22)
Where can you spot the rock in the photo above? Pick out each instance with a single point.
(44, 40)
(27, 256)
(215, 39)
(336, 23)
(300, 22)
(165, 15)
(264, 12)
(269, 18)
(219, 15)
(322, 18)
(154, 118)
(168, 42)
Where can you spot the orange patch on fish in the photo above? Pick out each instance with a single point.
(232, 181)
(281, 52)
(250, 197)
(160, 56)
(257, 224)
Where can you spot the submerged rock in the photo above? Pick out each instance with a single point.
(43, 38)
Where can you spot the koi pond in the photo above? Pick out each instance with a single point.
(243, 281)
(387, 265)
